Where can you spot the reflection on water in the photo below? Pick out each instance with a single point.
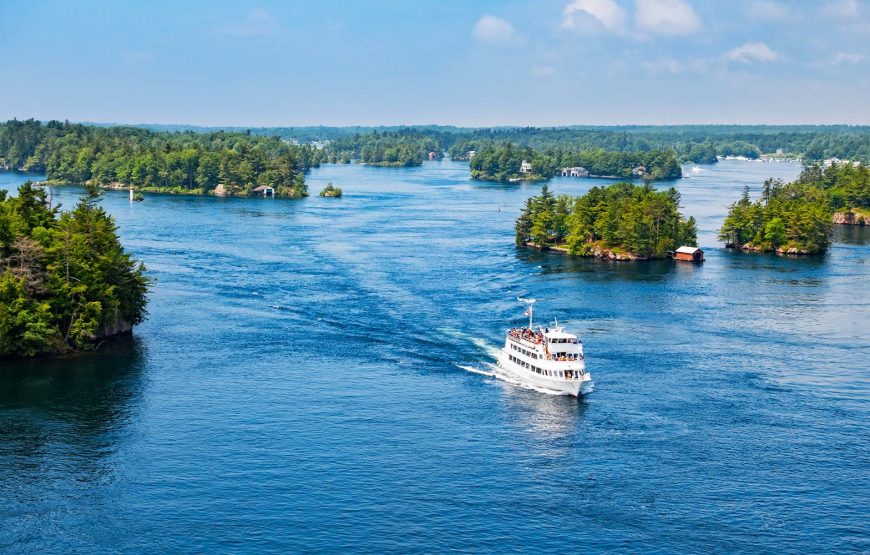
(67, 409)
(852, 234)
(598, 269)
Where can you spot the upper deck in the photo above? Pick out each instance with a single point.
(547, 344)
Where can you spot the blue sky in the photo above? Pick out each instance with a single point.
(514, 62)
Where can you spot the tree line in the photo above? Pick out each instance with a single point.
(65, 280)
(157, 161)
(503, 163)
(797, 217)
(395, 148)
(621, 219)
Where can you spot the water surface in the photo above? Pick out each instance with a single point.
(302, 383)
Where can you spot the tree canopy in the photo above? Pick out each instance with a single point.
(65, 280)
(636, 220)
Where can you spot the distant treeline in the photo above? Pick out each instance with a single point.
(797, 217)
(503, 163)
(619, 221)
(394, 148)
(174, 162)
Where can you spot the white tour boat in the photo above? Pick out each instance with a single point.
(549, 358)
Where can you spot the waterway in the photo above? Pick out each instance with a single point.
(315, 375)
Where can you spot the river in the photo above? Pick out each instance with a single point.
(315, 375)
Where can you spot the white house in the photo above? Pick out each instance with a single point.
(525, 167)
(576, 171)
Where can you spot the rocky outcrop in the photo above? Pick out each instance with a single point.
(850, 218)
(781, 250)
(221, 190)
(598, 252)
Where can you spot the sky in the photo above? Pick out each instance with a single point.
(457, 62)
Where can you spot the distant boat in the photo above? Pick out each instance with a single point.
(696, 169)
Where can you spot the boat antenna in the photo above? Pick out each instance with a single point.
(530, 303)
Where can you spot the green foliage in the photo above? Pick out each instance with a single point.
(170, 162)
(847, 185)
(787, 216)
(399, 148)
(629, 218)
(331, 191)
(502, 163)
(65, 279)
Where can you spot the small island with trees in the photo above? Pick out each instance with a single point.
(622, 221)
(798, 217)
(330, 191)
(66, 283)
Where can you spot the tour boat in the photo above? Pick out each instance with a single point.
(549, 358)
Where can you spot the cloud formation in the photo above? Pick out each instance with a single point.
(752, 52)
(767, 10)
(846, 58)
(606, 13)
(666, 17)
(257, 23)
(492, 29)
(840, 9)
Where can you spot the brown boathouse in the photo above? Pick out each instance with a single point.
(690, 254)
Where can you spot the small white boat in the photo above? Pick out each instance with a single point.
(548, 358)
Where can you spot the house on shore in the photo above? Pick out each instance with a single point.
(576, 171)
(689, 254)
(639, 171)
(265, 190)
(525, 167)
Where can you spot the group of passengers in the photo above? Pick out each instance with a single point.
(527, 334)
(568, 357)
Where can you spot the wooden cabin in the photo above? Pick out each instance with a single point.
(689, 254)
(265, 190)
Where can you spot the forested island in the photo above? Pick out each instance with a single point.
(183, 163)
(622, 221)
(505, 163)
(389, 149)
(797, 218)
(66, 283)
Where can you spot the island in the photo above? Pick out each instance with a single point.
(219, 163)
(787, 218)
(402, 148)
(508, 162)
(622, 221)
(331, 191)
(847, 186)
(66, 282)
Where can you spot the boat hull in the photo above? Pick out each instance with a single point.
(574, 388)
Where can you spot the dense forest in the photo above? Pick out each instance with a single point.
(792, 218)
(65, 280)
(797, 217)
(503, 163)
(153, 161)
(622, 221)
(399, 148)
(692, 143)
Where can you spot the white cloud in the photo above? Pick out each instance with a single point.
(676, 67)
(751, 52)
(605, 13)
(845, 58)
(767, 10)
(490, 28)
(666, 17)
(840, 9)
(542, 71)
(257, 23)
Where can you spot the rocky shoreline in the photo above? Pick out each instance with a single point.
(598, 251)
(850, 218)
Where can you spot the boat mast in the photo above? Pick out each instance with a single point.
(530, 303)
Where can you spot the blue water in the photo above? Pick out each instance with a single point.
(313, 376)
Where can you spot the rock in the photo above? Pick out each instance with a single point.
(849, 218)
(220, 190)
